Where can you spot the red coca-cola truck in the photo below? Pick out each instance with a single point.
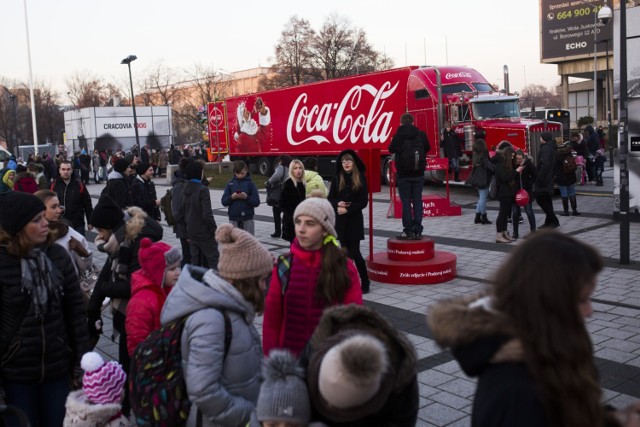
(363, 112)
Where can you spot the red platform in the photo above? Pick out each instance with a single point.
(412, 262)
(432, 205)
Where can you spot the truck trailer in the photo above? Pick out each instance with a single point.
(363, 112)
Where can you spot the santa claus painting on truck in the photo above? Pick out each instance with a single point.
(363, 112)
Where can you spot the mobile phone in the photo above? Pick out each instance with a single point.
(238, 192)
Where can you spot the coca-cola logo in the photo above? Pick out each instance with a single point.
(358, 116)
(449, 76)
(215, 117)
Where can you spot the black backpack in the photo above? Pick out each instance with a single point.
(412, 158)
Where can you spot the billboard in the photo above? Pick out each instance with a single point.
(567, 29)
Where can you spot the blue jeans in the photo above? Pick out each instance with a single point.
(567, 190)
(410, 189)
(528, 209)
(483, 195)
(43, 403)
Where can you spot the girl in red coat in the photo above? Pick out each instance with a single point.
(319, 275)
(159, 272)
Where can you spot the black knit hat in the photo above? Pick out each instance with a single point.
(106, 214)
(194, 170)
(142, 168)
(547, 136)
(17, 209)
(121, 165)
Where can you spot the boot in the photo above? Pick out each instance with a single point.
(515, 234)
(565, 206)
(478, 219)
(574, 205)
(501, 239)
(485, 220)
(506, 235)
(456, 176)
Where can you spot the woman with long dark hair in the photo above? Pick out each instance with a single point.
(506, 182)
(527, 341)
(43, 330)
(484, 168)
(349, 197)
(316, 274)
(274, 191)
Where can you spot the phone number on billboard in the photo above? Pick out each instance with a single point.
(585, 11)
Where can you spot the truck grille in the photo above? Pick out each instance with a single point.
(533, 138)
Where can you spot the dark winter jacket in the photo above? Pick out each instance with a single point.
(143, 195)
(292, 195)
(178, 182)
(505, 179)
(450, 145)
(195, 212)
(482, 342)
(564, 179)
(396, 403)
(593, 141)
(76, 201)
(546, 168)
(122, 249)
(350, 226)
(43, 348)
(25, 182)
(482, 160)
(527, 177)
(118, 188)
(241, 209)
(407, 132)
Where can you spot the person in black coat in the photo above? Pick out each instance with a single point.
(566, 180)
(143, 191)
(119, 237)
(293, 193)
(593, 145)
(118, 185)
(349, 197)
(452, 151)
(526, 178)
(544, 181)
(506, 185)
(382, 391)
(43, 332)
(73, 195)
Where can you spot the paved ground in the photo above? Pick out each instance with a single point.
(446, 394)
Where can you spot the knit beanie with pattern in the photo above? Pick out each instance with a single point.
(241, 255)
(102, 382)
(156, 258)
(283, 394)
(320, 210)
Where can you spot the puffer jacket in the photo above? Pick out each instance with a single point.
(143, 195)
(118, 188)
(195, 212)
(115, 277)
(143, 310)
(224, 390)
(546, 168)
(396, 403)
(76, 200)
(315, 184)
(43, 348)
(240, 209)
(25, 182)
(350, 226)
(289, 321)
(483, 343)
(82, 413)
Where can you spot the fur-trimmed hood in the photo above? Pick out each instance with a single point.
(82, 413)
(475, 332)
(343, 321)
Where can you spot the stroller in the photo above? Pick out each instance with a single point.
(581, 169)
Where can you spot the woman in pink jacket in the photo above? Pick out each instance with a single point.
(318, 275)
(159, 272)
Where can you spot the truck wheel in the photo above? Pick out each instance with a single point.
(386, 171)
(264, 166)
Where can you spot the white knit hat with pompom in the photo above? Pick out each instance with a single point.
(102, 382)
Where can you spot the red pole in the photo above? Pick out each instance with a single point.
(370, 208)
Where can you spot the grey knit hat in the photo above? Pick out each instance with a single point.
(320, 210)
(283, 394)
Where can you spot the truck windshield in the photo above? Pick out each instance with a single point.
(483, 87)
(496, 109)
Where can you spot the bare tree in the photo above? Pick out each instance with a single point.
(49, 113)
(535, 95)
(293, 61)
(86, 89)
(159, 85)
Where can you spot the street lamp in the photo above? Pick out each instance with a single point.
(604, 16)
(15, 122)
(128, 60)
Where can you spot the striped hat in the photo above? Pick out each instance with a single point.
(103, 383)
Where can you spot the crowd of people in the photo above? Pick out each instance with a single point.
(322, 357)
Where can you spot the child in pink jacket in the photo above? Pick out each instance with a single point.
(159, 272)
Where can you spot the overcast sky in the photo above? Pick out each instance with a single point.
(70, 35)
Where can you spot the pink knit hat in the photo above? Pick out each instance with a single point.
(102, 383)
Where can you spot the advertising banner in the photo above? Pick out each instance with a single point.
(567, 29)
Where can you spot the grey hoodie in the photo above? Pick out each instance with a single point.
(225, 391)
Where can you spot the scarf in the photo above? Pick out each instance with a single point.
(8, 180)
(41, 280)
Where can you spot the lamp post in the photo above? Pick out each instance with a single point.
(128, 60)
(15, 122)
(595, 67)
(623, 140)
(604, 16)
